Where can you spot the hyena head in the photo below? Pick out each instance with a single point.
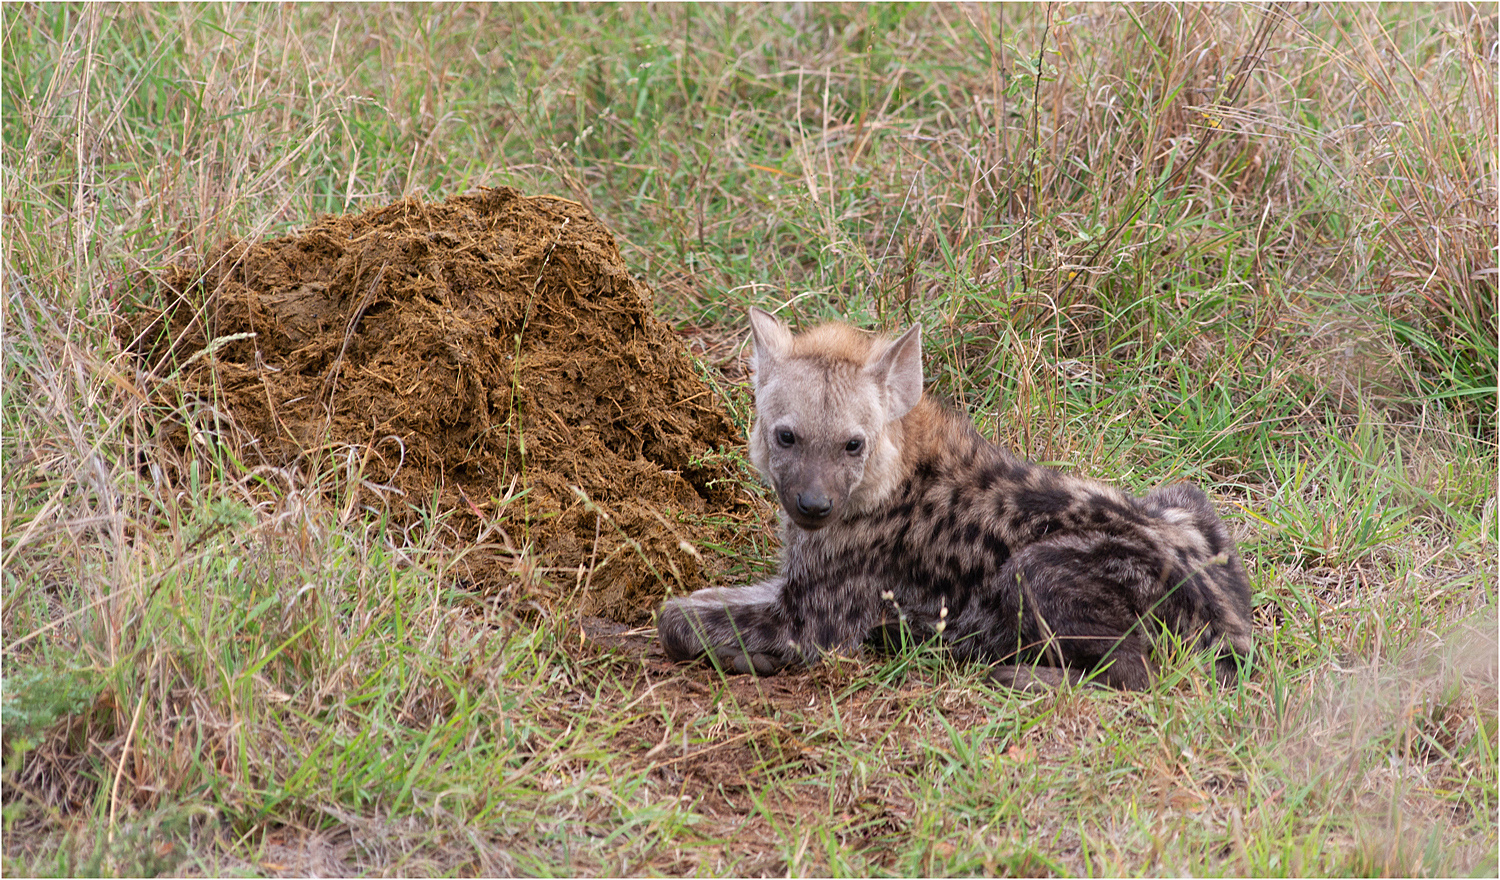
(828, 402)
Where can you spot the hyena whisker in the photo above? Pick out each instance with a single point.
(891, 500)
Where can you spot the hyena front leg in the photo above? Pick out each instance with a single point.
(738, 629)
(766, 627)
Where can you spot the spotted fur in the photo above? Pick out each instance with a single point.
(894, 505)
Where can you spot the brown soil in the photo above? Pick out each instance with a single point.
(492, 353)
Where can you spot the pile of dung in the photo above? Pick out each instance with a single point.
(491, 353)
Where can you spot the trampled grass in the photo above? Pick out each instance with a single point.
(1251, 247)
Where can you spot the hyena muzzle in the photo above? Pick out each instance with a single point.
(895, 506)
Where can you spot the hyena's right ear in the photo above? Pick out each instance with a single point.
(773, 342)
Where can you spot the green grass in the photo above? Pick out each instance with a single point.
(1126, 259)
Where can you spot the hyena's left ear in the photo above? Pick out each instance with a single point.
(773, 341)
(899, 371)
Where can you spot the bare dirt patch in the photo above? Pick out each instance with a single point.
(491, 352)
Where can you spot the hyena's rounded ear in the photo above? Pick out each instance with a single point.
(899, 372)
(773, 341)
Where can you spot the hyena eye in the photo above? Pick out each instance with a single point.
(785, 437)
(854, 446)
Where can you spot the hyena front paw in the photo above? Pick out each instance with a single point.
(701, 626)
(679, 637)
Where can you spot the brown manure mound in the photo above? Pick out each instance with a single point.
(491, 352)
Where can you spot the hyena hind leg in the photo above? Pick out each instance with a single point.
(1033, 678)
(1126, 673)
(733, 628)
(1077, 623)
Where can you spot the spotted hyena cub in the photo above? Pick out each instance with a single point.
(895, 505)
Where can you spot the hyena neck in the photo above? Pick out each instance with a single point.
(937, 437)
(941, 443)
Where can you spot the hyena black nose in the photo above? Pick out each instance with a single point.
(813, 506)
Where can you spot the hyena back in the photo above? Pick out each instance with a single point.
(894, 504)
